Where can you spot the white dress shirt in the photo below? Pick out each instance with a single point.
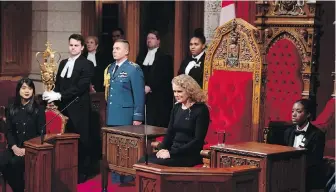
(92, 57)
(150, 57)
(69, 66)
(300, 138)
(193, 64)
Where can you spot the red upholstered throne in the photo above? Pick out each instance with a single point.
(58, 120)
(288, 36)
(232, 81)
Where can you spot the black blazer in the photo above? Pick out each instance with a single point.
(195, 72)
(101, 63)
(314, 143)
(24, 126)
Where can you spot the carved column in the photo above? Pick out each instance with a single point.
(132, 27)
(211, 18)
(180, 34)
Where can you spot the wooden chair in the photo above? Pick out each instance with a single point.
(58, 120)
(288, 36)
(232, 80)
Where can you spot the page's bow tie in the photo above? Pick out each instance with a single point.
(299, 132)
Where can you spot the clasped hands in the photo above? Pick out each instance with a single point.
(51, 96)
(18, 151)
(163, 154)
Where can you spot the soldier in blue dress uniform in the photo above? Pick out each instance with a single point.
(124, 92)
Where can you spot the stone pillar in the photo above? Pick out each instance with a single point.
(53, 21)
(211, 18)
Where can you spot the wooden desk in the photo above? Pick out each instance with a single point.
(51, 166)
(282, 167)
(123, 146)
(161, 178)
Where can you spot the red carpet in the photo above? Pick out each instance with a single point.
(94, 185)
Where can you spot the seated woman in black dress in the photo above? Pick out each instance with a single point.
(305, 135)
(24, 121)
(193, 65)
(188, 126)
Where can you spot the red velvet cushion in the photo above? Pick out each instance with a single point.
(159, 138)
(326, 122)
(56, 125)
(230, 100)
(284, 81)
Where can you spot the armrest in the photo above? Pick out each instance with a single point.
(206, 153)
(155, 144)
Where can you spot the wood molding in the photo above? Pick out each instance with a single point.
(89, 19)
(132, 27)
(180, 34)
(16, 39)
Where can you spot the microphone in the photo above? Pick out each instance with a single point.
(45, 125)
(146, 140)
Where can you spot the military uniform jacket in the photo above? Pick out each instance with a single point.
(124, 93)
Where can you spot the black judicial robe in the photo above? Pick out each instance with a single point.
(101, 64)
(78, 85)
(158, 77)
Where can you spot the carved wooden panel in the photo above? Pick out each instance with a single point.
(226, 160)
(123, 151)
(38, 170)
(149, 185)
(16, 37)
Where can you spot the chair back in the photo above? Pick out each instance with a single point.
(232, 81)
(288, 39)
(58, 120)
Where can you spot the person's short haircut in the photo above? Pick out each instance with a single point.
(307, 105)
(118, 29)
(124, 42)
(78, 37)
(155, 32)
(94, 38)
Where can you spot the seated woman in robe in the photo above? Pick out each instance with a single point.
(305, 135)
(188, 126)
(24, 121)
(193, 65)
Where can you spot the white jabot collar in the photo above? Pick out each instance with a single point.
(69, 66)
(92, 57)
(150, 57)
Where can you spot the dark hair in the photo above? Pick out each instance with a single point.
(123, 41)
(307, 105)
(31, 105)
(78, 37)
(118, 29)
(155, 32)
(198, 33)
